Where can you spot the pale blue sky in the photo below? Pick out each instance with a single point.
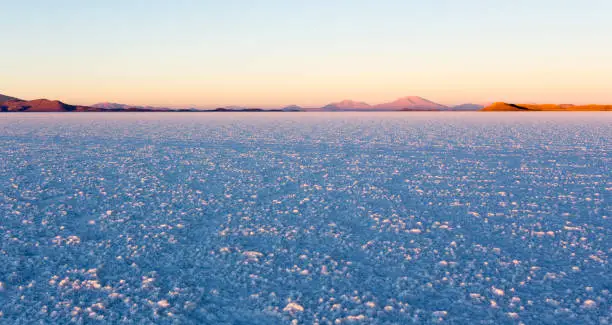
(278, 52)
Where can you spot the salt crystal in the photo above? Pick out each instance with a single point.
(589, 304)
(293, 308)
(497, 292)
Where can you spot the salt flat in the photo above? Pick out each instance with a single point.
(265, 218)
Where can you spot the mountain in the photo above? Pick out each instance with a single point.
(118, 107)
(292, 108)
(42, 105)
(411, 103)
(236, 108)
(347, 105)
(467, 107)
(4, 98)
(501, 107)
(107, 105)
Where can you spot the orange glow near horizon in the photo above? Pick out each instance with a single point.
(271, 53)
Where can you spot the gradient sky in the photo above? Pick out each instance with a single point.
(271, 53)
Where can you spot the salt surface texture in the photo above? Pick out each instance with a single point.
(459, 218)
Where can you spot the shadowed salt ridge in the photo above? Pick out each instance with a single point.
(268, 218)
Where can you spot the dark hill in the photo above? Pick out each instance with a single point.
(4, 98)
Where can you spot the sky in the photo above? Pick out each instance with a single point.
(273, 53)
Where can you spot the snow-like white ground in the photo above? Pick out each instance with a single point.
(282, 218)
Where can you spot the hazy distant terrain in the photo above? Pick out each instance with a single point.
(546, 107)
(268, 218)
(402, 104)
(409, 103)
(117, 106)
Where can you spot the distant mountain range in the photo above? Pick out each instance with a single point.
(348, 105)
(409, 103)
(45, 105)
(507, 107)
(117, 106)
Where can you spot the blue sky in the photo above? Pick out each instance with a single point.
(274, 53)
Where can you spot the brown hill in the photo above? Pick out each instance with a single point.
(507, 107)
(42, 105)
